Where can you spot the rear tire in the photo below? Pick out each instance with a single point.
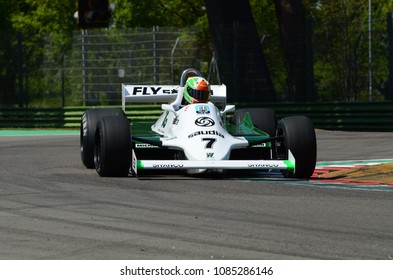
(112, 147)
(89, 121)
(298, 136)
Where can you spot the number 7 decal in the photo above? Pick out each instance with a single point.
(210, 142)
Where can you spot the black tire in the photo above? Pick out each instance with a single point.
(262, 118)
(298, 136)
(112, 147)
(88, 127)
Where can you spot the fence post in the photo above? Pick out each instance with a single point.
(172, 62)
(370, 51)
(155, 56)
(389, 85)
(62, 85)
(84, 66)
(20, 70)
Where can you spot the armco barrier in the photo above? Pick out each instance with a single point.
(69, 117)
(355, 116)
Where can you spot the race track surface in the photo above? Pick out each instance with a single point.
(51, 207)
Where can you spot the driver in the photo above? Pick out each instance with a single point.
(196, 90)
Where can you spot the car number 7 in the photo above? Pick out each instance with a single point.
(210, 142)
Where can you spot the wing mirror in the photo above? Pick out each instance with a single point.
(168, 107)
(228, 109)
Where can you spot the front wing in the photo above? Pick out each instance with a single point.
(288, 164)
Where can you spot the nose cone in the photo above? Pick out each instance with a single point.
(208, 144)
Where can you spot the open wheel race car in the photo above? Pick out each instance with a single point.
(196, 138)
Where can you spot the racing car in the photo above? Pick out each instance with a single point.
(199, 138)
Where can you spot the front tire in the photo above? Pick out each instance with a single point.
(112, 147)
(298, 135)
(89, 121)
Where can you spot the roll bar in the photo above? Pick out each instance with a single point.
(186, 72)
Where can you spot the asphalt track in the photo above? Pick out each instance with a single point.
(51, 207)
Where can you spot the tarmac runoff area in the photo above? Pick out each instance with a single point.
(367, 172)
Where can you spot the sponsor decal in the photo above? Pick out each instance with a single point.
(175, 120)
(207, 132)
(202, 109)
(165, 121)
(152, 91)
(204, 121)
(260, 145)
(263, 165)
(168, 165)
(144, 145)
(209, 155)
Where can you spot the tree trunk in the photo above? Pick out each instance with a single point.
(240, 59)
(292, 23)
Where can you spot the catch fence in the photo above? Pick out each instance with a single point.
(92, 69)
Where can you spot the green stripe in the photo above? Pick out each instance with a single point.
(139, 164)
(290, 164)
(37, 132)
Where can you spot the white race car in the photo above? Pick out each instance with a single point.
(197, 138)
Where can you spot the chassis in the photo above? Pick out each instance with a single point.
(197, 138)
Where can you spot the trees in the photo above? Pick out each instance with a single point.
(340, 40)
(35, 19)
(7, 55)
(136, 13)
(32, 21)
(341, 47)
(293, 30)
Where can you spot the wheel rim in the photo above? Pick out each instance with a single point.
(281, 149)
(281, 146)
(97, 153)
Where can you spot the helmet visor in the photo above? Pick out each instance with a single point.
(199, 95)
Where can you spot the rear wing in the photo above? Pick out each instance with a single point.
(164, 94)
